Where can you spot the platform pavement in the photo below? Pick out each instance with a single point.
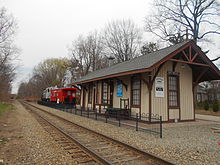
(208, 117)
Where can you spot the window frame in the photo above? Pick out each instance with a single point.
(176, 75)
(132, 91)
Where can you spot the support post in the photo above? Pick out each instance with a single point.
(136, 121)
(119, 119)
(161, 130)
(106, 117)
(96, 114)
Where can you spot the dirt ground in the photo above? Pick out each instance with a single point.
(24, 141)
(11, 136)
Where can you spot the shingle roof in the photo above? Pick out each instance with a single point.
(138, 63)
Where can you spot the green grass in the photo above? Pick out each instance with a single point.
(4, 107)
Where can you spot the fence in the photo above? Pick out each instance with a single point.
(140, 122)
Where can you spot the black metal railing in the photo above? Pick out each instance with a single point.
(140, 122)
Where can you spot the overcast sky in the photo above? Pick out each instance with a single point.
(47, 27)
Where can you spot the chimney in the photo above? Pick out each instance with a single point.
(187, 34)
(110, 60)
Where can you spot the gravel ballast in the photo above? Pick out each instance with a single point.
(182, 143)
(27, 142)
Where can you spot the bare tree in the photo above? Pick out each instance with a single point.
(122, 39)
(8, 53)
(149, 47)
(86, 54)
(200, 17)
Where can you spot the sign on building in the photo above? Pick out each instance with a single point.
(119, 89)
(159, 87)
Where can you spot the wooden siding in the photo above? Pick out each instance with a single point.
(186, 92)
(144, 95)
(126, 94)
(159, 104)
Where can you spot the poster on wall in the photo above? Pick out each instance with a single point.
(119, 89)
(159, 87)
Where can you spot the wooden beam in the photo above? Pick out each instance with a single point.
(188, 62)
(150, 100)
(185, 55)
(125, 85)
(194, 57)
(174, 66)
(190, 52)
(145, 81)
(152, 81)
(200, 76)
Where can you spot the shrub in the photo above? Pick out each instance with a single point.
(206, 105)
(215, 106)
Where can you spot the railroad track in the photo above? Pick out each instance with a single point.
(96, 148)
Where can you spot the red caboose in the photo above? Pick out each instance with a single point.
(64, 95)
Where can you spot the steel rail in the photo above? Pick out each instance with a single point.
(95, 155)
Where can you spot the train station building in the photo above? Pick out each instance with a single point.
(161, 82)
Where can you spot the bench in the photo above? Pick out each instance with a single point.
(115, 112)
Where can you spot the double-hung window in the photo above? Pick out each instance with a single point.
(173, 91)
(104, 93)
(135, 91)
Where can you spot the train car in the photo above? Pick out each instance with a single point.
(64, 95)
(47, 93)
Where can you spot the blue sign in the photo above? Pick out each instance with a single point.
(119, 89)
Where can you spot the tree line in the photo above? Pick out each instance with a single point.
(172, 21)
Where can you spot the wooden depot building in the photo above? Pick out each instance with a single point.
(161, 82)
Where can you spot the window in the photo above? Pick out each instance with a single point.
(135, 91)
(90, 95)
(173, 91)
(104, 93)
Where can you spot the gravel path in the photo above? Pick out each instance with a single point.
(26, 142)
(189, 143)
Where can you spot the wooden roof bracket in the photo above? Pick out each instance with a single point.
(188, 62)
(145, 81)
(199, 77)
(155, 75)
(85, 87)
(125, 85)
(77, 87)
(151, 80)
(174, 66)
